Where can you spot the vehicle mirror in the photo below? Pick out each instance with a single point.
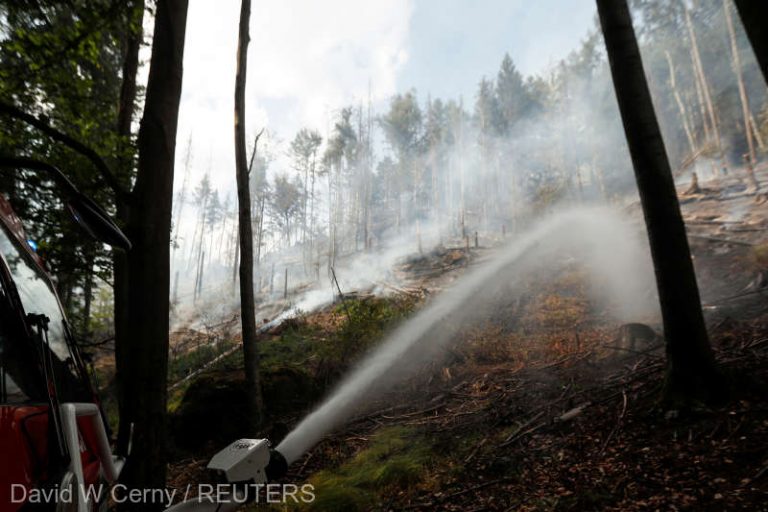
(93, 219)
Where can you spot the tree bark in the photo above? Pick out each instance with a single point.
(753, 14)
(88, 290)
(691, 371)
(680, 105)
(742, 90)
(125, 162)
(247, 302)
(148, 261)
(699, 70)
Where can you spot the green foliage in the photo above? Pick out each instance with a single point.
(365, 321)
(294, 348)
(402, 127)
(62, 61)
(302, 347)
(343, 146)
(511, 93)
(285, 202)
(310, 348)
(304, 148)
(488, 114)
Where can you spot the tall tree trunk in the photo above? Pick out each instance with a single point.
(699, 70)
(247, 301)
(462, 184)
(236, 263)
(740, 81)
(311, 211)
(120, 271)
(680, 105)
(259, 236)
(753, 14)
(88, 290)
(691, 367)
(148, 261)
(368, 172)
(700, 100)
(182, 197)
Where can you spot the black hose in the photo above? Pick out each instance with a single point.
(277, 467)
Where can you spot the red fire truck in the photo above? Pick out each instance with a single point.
(53, 436)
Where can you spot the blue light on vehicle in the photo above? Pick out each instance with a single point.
(32, 244)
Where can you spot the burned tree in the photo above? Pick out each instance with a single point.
(691, 370)
(247, 301)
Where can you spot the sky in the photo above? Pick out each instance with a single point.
(309, 58)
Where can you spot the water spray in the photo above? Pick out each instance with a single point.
(604, 238)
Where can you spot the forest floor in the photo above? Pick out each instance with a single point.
(550, 412)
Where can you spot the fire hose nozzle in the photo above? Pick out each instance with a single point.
(249, 461)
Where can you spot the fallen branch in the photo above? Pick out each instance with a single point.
(518, 433)
(402, 291)
(431, 504)
(569, 415)
(475, 450)
(721, 240)
(737, 296)
(646, 352)
(618, 424)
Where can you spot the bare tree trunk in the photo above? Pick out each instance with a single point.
(304, 248)
(680, 105)
(753, 14)
(149, 258)
(691, 371)
(368, 173)
(742, 90)
(331, 225)
(261, 230)
(700, 99)
(236, 265)
(247, 301)
(182, 196)
(699, 69)
(311, 210)
(462, 185)
(88, 291)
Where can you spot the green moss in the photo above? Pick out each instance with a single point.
(395, 460)
(337, 497)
